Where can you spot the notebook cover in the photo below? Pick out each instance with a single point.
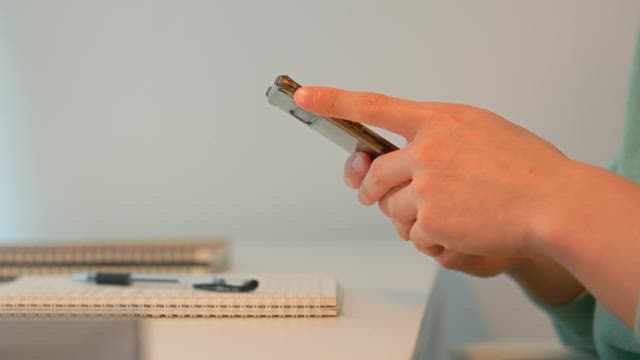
(158, 251)
(277, 296)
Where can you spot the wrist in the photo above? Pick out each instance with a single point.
(585, 209)
(591, 230)
(558, 211)
(545, 281)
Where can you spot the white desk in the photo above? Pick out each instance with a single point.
(385, 284)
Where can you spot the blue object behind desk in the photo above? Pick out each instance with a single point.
(68, 339)
(452, 316)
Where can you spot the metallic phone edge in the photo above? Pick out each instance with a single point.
(364, 139)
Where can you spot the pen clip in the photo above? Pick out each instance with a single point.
(220, 285)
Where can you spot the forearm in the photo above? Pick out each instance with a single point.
(593, 230)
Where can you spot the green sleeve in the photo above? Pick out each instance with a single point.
(612, 165)
(574, 323)
(638, 320)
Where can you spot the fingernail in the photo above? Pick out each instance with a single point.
(302, 97)
(358, 163)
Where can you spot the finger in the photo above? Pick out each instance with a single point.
(355, 168)
(402, 228)
(400, 116)
(433, 250)
(386, 172)
(399, 204)
(423, 242)
(452, 260)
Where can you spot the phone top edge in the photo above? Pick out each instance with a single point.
(287, 84)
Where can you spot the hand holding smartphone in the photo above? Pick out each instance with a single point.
(349, 135)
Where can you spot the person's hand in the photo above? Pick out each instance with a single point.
(467, 182)
(355, 169)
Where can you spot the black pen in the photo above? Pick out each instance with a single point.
(217, 284)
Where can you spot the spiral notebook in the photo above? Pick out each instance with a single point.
(282, 295)
(150, 256)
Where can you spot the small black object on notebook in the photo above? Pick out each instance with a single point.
(217, 284)
(220, 285)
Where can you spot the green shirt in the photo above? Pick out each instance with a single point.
(584, 324)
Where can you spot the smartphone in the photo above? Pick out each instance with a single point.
(349, 135)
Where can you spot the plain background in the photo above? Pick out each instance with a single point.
(148, 118)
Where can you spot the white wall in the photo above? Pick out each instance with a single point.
(14, 179)
(149, 117)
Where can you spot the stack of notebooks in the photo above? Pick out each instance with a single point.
(38, 281)
(276, 296)
(159, 256)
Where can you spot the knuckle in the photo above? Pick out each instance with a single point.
(402, 230)
(448, 262)
(430, 192)
(420, 246)
(331, 101)
(426, 247)
(435, 152)
(415, 154)
(423, 154)
(420, 238)
(427, 219)
(423, 218)
(376, 174)
(371, 105)
(383, 205)
(421, 189)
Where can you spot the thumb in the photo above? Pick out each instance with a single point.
(403, 117)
